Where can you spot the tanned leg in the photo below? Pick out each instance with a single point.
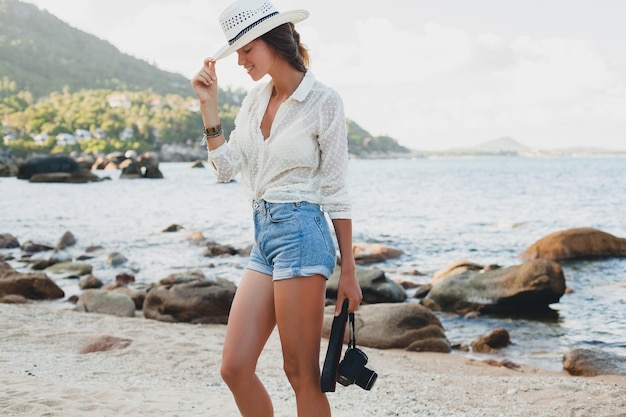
(299, 304)
(250, 324)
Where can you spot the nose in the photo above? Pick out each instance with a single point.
(240, 59)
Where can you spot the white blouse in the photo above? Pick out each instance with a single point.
(305, 157)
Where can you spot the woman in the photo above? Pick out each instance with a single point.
(290, 146)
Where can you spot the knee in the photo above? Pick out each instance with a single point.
(300, 377)
(234, 373)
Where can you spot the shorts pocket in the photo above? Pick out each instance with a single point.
(279, 213)
(328, 241)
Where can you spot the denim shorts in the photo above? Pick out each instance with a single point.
(291, 240)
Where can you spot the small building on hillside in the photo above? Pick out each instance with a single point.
(64, 139)
(82, 134)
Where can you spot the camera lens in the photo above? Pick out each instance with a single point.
(366, 379)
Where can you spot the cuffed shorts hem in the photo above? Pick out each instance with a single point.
(281, 274)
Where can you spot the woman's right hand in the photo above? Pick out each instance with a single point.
(204, 83)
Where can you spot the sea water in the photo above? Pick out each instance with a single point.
(436, 210)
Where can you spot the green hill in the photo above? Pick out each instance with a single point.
(42, 54)
(55, 79)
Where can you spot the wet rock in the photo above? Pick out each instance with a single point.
(35, 247)
(576, 244)
(8, 241)
(375, 285)
(89, 282)
(490, 342)
(67, 240)
(116, 258)
(366, 253)
(527, 288)
(45, 165)
(70, 269)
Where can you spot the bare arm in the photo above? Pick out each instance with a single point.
(348, 284)
(204, 84)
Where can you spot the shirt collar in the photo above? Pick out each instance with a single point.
(306, 85)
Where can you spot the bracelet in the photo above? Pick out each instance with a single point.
(213, 132)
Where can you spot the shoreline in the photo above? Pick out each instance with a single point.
(172, 369)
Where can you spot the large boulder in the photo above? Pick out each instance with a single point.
(408, 326)
(46, 165)
(591, 362)
(579, 243)
(193, 301)
(77, 177)
(527, 288)
(376, 287)
(33, 286)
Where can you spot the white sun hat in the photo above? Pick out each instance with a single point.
(245, 20)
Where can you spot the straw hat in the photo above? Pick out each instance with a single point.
(245, 20)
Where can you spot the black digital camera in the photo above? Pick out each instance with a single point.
(352, 370)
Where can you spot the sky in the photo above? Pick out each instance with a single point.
(432, 74)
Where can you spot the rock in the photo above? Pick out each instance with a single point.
(197, 164)
(172, 228)
(366, 253)
(46, 165)
(130, 169)
(138, 296)
(70, 269)
(376, 287)
(66, 241)
(106, 302)
(8, 165)
(153, 172)
(527, 288)
(455, 268)
(215, 249)
(34, 247)
(407, 326)
(13, 299)
(197, 301)
(196, 237)
(588, 362)
(495, 339)
(8, 241)
(104, 344)
(33, 286)
(89, 282)
(576, 244)
(77, 177)
(116, 258)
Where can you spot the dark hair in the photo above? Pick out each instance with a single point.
(285, 41)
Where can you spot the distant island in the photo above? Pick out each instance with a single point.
(510, 147)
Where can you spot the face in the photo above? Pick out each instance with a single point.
(256, 58)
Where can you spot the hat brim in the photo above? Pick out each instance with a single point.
(292, 16)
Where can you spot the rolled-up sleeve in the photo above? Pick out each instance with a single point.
(226, 160)
(333, 141)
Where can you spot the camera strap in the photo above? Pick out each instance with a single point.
(352, 341)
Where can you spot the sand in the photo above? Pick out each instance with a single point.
(171, 370)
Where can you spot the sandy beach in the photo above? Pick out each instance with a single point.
(172, 370)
